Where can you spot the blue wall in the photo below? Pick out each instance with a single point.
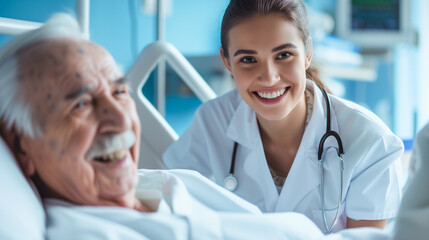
(193, 26)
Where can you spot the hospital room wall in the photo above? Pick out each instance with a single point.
(123, 29)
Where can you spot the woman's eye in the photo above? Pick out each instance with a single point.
(283, 55)
(248, 60)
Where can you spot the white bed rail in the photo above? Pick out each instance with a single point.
(156, 133)
(11, 26)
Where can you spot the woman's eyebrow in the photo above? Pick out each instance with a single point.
(244, 51)
(283, 46)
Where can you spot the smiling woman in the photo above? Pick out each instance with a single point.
(273, 123)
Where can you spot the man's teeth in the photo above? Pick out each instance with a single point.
(271, 95)
(112, 157)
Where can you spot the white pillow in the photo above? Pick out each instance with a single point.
(21, 213)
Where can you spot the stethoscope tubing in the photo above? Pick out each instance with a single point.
(230, 181)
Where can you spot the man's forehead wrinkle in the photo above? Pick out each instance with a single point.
(110, 69)
(42, 62)
(77, 64)
(41, 55)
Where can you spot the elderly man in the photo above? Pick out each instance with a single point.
(68, 118)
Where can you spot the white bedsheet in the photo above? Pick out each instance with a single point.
(185, 211)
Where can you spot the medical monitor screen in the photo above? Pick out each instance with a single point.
(375, 15)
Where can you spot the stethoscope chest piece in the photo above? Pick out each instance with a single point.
(230, 183)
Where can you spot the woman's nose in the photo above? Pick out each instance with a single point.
(114, 118)
(269, 73)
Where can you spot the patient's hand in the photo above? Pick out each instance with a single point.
(351, 223)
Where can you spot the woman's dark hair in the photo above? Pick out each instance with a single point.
(293, 10)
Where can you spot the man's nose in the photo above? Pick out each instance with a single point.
(114, 118)
(269, 73)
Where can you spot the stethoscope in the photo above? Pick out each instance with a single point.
(231, 183)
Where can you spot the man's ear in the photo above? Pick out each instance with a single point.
(225, 60)
(20, 146)
(309, 54)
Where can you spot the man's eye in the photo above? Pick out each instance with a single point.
(248, 60)
(119, 91)
(283, 55)
(81, 104)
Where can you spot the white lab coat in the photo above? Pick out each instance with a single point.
(372, 179)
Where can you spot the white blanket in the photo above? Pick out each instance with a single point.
(187, 206)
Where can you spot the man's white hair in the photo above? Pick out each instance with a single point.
(15, 109)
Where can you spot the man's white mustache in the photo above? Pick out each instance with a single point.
(111, 143)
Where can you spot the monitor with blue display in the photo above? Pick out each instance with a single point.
(374, 23)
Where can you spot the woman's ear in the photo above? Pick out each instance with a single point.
(309, 53)
(225, 60)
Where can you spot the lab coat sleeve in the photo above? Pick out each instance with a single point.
(375, 186)
(413, 218)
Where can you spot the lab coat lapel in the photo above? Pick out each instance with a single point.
(243, 127)
(244, 130)
(304, 174)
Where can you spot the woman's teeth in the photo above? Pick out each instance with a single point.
(271, 95)
(112, 157)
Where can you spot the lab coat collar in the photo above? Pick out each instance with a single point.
(243, 127)
(317, 124)
(298, 183)
(316, 127)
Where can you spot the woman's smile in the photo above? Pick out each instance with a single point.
(271, 96)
